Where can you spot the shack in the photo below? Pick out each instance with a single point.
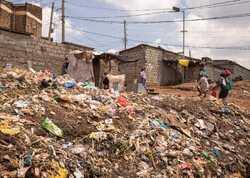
(216, 67)
(112, 64)
(161, 66)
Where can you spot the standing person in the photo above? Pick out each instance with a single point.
(142, 81)
(203, 72)
(203, 86)
(65, 66)
(225, 87)
(105, 81)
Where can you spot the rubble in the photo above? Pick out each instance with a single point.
(91, 132)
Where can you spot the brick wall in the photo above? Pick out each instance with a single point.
(241, 71)
(23, 18)
(5, 14)
(214, 72)
(192, 73)
(32, 25)
(18, 49)
(132, 69)
(161, 67)
(153, 58)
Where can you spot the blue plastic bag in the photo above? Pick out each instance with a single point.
(69, 84)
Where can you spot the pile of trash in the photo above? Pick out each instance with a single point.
(54, 127)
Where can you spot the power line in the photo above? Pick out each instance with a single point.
(219, 5)
(213, 5)
(163, 21)
(113, 9)
(126, 16)
(171, 45)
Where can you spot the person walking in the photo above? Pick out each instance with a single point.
(203, 86)
(225, 86)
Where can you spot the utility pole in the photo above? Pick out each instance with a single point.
(63, 21)
(184, 32)
(125, 34)
(51, 20)
(177, 9)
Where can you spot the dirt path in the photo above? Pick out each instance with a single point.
(240, 95)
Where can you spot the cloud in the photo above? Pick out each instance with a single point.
(113, 51)
(142, 4)
(71, 32)
(158, 41)
(222, 33)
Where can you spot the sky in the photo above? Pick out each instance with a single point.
(233, 32)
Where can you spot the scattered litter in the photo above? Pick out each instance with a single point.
(100, 133)
(70, 84)
(51, 127)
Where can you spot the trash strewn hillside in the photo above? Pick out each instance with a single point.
(56, 128)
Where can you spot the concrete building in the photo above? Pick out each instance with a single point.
(161, 67)
(22, 18)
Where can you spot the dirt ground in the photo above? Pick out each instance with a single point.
(239, 96)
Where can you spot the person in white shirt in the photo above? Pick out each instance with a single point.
(203, 86)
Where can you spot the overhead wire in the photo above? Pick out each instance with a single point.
(167, 44)
(212, 5)
(158, 9)
(219, 5)
(163, 21)
(127, 16)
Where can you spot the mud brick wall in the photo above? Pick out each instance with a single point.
(18, 49)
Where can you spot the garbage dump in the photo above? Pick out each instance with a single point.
(64, 129)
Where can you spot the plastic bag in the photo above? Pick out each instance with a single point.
(69, 84)
(214, 94)
(21, 104)
(122, 101)
(88, 85)
(51, 127)
(184, 62)
(185, 166)
(9, 129)
(61, 171)
(78, 174)
(158, 124)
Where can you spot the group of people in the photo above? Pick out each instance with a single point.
(224, 85)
